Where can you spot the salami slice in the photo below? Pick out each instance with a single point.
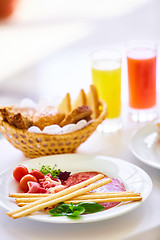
(115, 186)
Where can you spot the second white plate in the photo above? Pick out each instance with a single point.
(145, 145)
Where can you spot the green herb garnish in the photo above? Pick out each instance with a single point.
(74, 211)
(53, 171)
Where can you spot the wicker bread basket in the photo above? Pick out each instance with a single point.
(40, 144)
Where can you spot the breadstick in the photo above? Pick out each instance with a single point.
(38, 195)
(27, 200)
(107, 195)
(98, 200)
(85, 196)
(28, 195)
(41, 204)
(61, 193)
(21, 204)
(102, 200)
(102, 193)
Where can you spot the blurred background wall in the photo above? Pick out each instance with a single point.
(45, 45)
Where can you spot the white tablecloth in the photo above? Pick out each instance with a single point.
(145, 217)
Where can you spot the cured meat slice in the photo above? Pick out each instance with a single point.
(115, 186)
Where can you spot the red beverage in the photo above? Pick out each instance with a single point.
(142, 78)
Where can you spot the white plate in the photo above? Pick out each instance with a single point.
(134, 178)
(145, 145)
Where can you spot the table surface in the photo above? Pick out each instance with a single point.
(53, 51)
(140, 220)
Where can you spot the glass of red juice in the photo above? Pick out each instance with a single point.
(141, 65)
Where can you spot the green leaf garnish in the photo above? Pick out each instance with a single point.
(71, 207)
(53, 171)
(77, 211)
(74, 211)
(91, 207)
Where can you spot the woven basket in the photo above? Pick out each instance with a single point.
(40, 144)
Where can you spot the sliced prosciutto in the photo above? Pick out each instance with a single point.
(35, 187)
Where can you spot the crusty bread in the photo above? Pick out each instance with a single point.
(16, 119)
(65, 104)
(93, 101)
(26, 111)
(47, 116)
(77, 114)
(84, 107)
(80, 100)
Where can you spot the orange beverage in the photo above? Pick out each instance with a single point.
(141, 60)
(142, 82)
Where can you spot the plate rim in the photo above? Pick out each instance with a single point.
(110, 158)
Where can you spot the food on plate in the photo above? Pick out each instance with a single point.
(46, 177)
(47, 116)
(72, 195)
(19, 172)
(25, 180)
(37, 174)
(73, 211)
(79, 113)
(81, 99)
(65, 104)
(61, 196)
(50, 170)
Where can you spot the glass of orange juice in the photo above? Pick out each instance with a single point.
(106, 76)
(141, 62)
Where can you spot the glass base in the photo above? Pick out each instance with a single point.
(143, 115)
(110, 125)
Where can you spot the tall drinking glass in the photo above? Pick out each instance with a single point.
(106, 76)
(141, 61)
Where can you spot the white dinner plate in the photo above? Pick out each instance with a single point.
(145, 145)
(134, 179)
